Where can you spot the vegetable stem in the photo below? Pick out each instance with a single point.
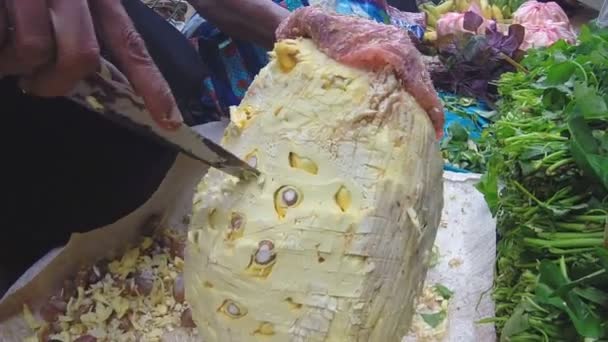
(565, 243)
(551, 169)
(570, 235)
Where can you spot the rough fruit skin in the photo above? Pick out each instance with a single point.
(337, 254)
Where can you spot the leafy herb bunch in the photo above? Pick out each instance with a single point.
(547, 183)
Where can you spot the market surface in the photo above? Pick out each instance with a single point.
(352, 232)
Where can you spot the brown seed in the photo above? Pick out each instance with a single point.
(163, 241)
(232, 309)
(128, 286)
(177, 248)
(178, 289)
(236, 227)
(86, 338)
(175, 244)
(82, 278)
(103, 267)
(265, 253)
(289, 196)
(186, 319)
(68, 291)
(262, 260)
(52, 309)
(236, 221)
(144, 281)
(124, 323)
(284, 198)
(97, 273)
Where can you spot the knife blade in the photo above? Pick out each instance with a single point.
(108, 94)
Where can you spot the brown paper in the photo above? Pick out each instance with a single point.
(171, 202)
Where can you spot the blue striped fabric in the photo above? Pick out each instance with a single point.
(233, 64)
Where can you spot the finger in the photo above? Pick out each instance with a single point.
(31, 44)
(128, 51)
(77, 50)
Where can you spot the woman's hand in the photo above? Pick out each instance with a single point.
(52, 44)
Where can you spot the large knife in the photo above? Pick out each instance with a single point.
(108, 94)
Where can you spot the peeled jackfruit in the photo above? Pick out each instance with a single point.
(332, 241)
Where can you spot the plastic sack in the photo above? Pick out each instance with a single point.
(538, 13)
(602, 20)
(547, 34)
(545, 24)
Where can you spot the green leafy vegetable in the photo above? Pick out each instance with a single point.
(547, 185)
(516, 324)
(459, 147)
(434, 319)
(443, 291)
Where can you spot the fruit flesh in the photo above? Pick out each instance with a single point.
(332, 242)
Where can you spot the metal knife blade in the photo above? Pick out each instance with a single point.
(116, 101)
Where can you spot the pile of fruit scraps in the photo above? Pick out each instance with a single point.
(139, 296)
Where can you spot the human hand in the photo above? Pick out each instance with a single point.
(250, 20)
(53, 44)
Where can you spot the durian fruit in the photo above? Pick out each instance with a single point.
(331, 243)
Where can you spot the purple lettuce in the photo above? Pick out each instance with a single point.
(473, 62)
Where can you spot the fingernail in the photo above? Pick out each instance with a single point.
(174, 120)
(176, 115)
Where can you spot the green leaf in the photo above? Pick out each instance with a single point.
(434, 319)
(466, 101)
(589, 102)
(458, 132)
(443, 291)
(602, 138)
(602, 254)
(599, 165)
(517, 323)
(488, 185)
(560, 73)
(593, 295)
(584, 149)
(551, 275)
(586, 322)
